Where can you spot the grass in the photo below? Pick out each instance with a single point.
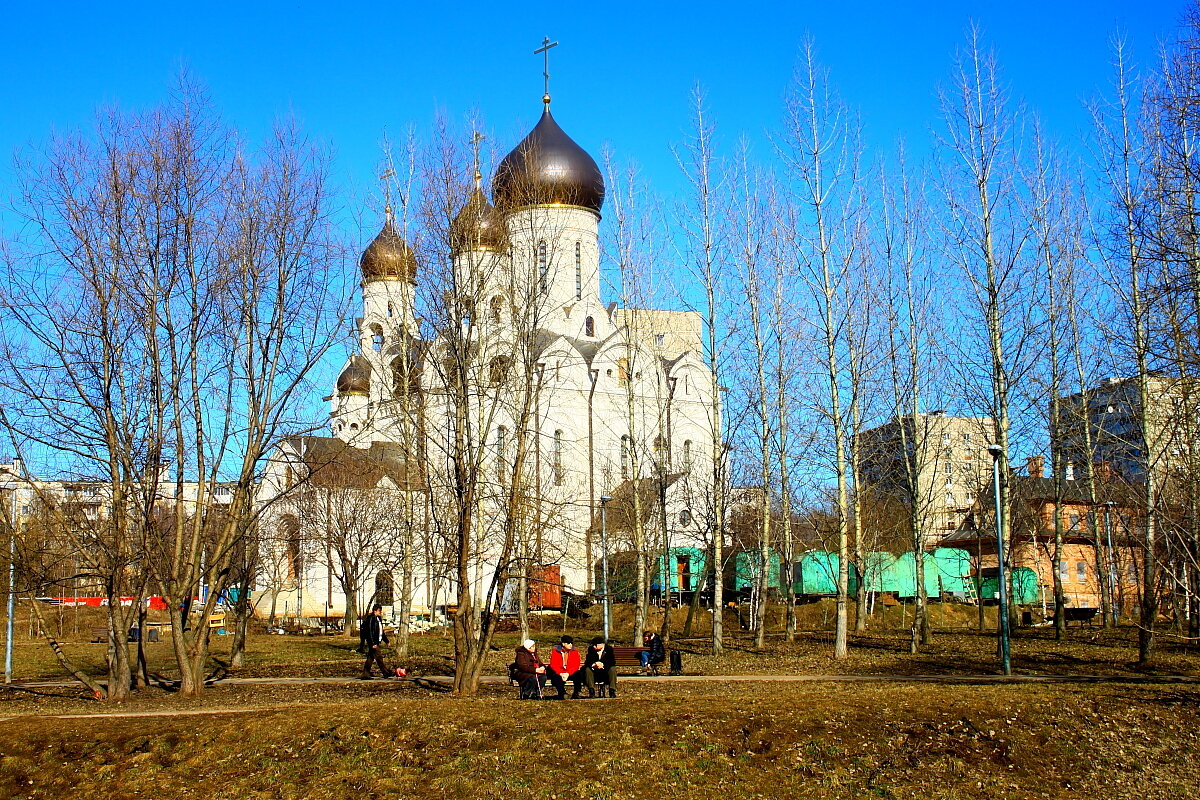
(710, 739)
(883, 649)
(657, 740)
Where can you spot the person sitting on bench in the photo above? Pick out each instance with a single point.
(654, 654)
(600, 667)
(529, 672)
(565, 665)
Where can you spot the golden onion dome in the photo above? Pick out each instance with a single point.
(478, 226)
(388, 257)
(356, 377)
(548, 168)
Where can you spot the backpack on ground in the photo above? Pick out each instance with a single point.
(676, 662)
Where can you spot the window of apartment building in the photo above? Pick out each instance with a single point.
(946, 439)
(1080, 571)
(625, 457)
(966, 440)
(948, 468)
(660, 339)
(949, 499)
(970, 498)
(1064, 571)
(1072, 521)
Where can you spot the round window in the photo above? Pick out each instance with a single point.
(685, 517)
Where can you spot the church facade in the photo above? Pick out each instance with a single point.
(517, 371)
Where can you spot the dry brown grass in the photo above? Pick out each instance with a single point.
(678, 740)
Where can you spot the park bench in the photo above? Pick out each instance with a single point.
(1080, 615)
(628, 657)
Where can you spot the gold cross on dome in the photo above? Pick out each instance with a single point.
(545, 51)
(477, 139)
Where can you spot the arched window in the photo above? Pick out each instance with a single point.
(625, 457)
(498, 369)
(589, 327)
(578, 272)
(687, 455)
(391, 309)
(291, 536)
(660, 453)
(543, 266)
(558, 458)
(376, 338)
(497, 309)
(385, 588)
(406, 376)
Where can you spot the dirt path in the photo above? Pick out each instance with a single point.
(976, 678)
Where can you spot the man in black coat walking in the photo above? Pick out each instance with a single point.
(372, 637)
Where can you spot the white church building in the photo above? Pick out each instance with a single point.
(612, 401)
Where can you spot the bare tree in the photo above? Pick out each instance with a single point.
(822, 153)
(705, 237)
(190, 274)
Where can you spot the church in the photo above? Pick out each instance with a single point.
(574, 428)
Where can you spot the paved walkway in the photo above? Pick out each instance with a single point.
(981, 678)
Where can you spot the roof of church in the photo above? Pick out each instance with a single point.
(388, 256)
(356, 377)
(548, 168)
(335, 464)
(478, 226)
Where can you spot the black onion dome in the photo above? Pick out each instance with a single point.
(548, 168)
(388, 257)
(356, 377)
(478, 226)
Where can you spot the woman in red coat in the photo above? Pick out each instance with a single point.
(565, 665)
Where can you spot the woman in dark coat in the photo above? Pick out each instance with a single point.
(654, 654)
(529, 671)
(600, 666)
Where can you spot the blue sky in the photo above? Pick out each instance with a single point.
(621, 75)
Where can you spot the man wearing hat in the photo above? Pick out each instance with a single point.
(600, 667)
(565, 665)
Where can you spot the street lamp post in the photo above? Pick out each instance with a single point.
(1005, 655)
(1112, 567)
(604, 559)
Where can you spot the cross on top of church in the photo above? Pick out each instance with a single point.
(476, 140)
(545, 51)
(386, 177)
